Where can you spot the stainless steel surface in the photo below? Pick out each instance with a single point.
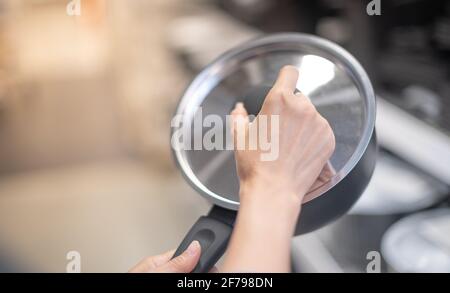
(413, 140)
(345, 242)
(419, 243)
(330, 76)
(310, 254)
(397, 187)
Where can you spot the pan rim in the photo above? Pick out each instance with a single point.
(332, 51)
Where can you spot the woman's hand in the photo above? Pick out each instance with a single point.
(271, 192)
(305, 142)
(163, 263)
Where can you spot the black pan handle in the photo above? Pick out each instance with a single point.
(213, 232)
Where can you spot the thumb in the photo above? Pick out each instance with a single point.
(239, 125)
(185, 262)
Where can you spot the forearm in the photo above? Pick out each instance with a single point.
(272, 190)
(262, 235)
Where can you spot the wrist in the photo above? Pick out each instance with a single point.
(270, 192)
(264, 228)
(272, 203)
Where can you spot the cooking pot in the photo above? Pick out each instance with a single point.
(419, 243)
(336, 84)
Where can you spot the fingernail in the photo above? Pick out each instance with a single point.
(193, 247)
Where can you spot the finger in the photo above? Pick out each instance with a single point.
(325, 175)
(239, 111)
(328, 170)
(239, 125)
(150, 263)
(287, 78)
(184, 263)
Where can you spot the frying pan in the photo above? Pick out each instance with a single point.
(336, 84)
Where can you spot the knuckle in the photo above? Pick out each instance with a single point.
(277, 93)
(271, 98)
(323, 123)
(308, 110)
(332, 143)
(277, 96)
(328, 134)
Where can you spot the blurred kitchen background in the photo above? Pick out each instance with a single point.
(85, 108)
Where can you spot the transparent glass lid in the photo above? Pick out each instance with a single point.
(329, 76)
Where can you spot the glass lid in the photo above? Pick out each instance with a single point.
(333, 80)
